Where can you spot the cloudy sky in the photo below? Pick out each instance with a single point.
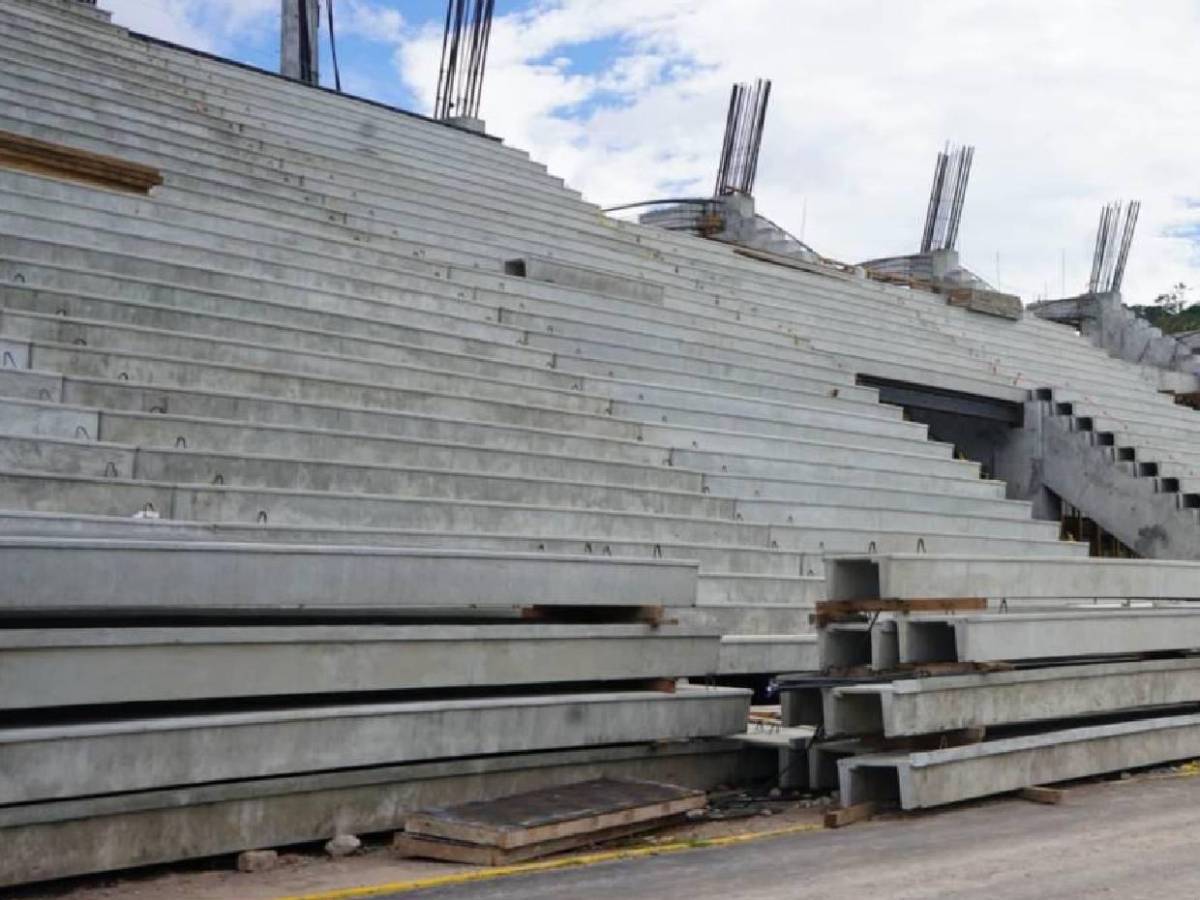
(1070, 104)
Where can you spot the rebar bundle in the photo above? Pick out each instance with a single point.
(950, 177)
(1113, 240)
(464, 58)
(744, 126)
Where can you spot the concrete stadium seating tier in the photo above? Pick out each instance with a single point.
(352, 380)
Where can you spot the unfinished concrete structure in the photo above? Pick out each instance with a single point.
(351, 380)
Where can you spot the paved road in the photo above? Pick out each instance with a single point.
(1127, 840)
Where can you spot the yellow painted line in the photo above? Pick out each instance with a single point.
(568, 862)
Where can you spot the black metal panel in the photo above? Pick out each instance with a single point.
(916, 396)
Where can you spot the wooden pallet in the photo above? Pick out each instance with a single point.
(546, 821)
(58, 161)
(425, 847)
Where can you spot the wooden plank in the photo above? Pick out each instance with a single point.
(848, 815)
(481, 855)
(833, 610)
(59, 161)
(1047, 795)
(553, 813)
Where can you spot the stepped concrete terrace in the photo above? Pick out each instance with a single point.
(351, 380)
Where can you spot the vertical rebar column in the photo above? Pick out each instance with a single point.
(299, 47)
(465, 43)
(951, 175)
(744, 125)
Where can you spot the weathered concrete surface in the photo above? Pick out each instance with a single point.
(922, 780)
(69, 667)
(931, 705)
(59, 762)
(743, 654)
(1132, 840)
(1111, 326)
(580, 278)
(44, 576)
(1125, 504)
(57, 840)
(926, 575)
(1049, 634)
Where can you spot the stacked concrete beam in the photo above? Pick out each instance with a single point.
(1128, 697)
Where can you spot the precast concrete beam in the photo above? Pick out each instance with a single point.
(75, 837)
(1047, 635)
(65, 575)
(64, 761)
(951, 703)
(922, 780)
(767, 654)
(78, 667)
(921, 575)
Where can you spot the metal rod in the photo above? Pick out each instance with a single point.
(465, 44)
(741, 147)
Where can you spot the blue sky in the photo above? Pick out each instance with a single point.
(1070, 104)
(367, 58)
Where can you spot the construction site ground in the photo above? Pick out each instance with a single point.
(1128, 837)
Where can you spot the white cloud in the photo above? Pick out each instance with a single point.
(200, 24)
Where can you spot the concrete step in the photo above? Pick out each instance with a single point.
(54, 492)
(72, 45)
(387, 363)
(44, 266)
(187, 466)
(326, 337)
(62, 761)
(511, 454)
(367, 435)
(699, 430)
(806, 557)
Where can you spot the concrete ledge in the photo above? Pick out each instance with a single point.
(62, 762)
(77, 667)
(767, 654)
(77, 575)
(1021, 636)
(590, 280)
(921, 575)
(921, 780)
(931, 705)
(991, 303)
(57, 840)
